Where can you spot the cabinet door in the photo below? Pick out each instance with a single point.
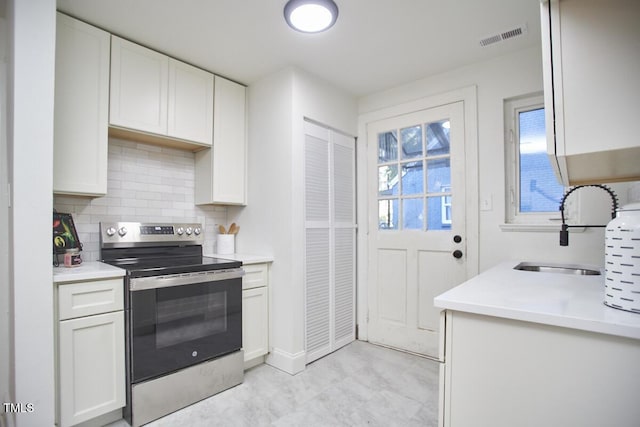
(503, 373)
(255, 321)
(139, 87)
(221, 171)
(190, 103)
(81, 108)
(91, 364)
(591, 68)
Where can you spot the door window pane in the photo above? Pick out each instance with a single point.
(412, 178)
(412, 214)
(411, 142)
(408, 178)
(446, 210)
(387, 146)
(438, 142)
(439, 213)
(388, 214)
(539, 189)
(387, 180)
(438, 175)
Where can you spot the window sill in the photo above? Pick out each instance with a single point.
(536, 228)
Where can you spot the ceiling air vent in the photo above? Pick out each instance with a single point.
(509, 34)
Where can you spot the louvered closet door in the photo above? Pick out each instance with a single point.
(329, 240)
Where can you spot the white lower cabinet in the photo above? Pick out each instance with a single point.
(503, 373)
(91, 353)
(255, 313)
(91, 367)
(255, 333)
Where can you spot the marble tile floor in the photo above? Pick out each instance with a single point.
(359, 385)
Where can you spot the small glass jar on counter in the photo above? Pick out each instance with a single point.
(72, 257)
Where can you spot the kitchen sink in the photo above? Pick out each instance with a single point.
(557, 268)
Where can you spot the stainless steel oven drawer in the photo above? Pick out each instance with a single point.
(161, 396)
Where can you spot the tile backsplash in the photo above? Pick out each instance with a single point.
(146, 183)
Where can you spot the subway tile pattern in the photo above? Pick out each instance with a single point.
(359, 385)
(145, 183)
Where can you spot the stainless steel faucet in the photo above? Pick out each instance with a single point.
(564, 232)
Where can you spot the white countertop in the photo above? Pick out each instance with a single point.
(556, 299)
(245, 258)
(92, 270)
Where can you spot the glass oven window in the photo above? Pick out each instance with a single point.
(190, 318)
(175, 327)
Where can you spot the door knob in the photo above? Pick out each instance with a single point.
(457, 238)
(457, 254)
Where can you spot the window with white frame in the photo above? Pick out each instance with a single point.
(533, 191)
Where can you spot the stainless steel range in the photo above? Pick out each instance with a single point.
(183, 314)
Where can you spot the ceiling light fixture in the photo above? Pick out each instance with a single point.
(310, 16)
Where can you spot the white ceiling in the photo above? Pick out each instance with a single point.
(375, 45)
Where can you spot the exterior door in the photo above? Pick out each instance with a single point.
(416, 223)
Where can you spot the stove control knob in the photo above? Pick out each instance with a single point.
(196, 231)
(189, 231)
(111, 231)
(180, 231)
(122, 231)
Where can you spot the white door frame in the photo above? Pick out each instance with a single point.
(468, 96)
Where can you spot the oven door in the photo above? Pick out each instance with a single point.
(178, 321)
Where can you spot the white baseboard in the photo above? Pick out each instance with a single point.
(102, 420)
(291, 363)
(254, 362)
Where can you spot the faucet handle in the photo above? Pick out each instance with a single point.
(564, 235)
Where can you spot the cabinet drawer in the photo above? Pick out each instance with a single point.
(255, 275)
(87, 298)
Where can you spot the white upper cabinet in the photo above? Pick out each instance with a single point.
(592, 81)
(155, 94)
(139, 87)
(190, 103)
(81, 109)
(221, 171)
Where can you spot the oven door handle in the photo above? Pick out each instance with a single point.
(169, 280)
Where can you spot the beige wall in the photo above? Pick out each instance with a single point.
(30, 147)
(272, 221)
(6, 321)
(498, 79)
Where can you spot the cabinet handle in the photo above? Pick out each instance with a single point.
(457, 254)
